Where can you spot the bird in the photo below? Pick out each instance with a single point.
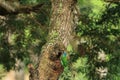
(64, 60)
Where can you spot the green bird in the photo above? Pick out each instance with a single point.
(64, 60)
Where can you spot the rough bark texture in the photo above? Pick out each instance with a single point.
(60, 34)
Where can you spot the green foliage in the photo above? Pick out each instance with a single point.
(69, 48)
(102, 33)
(24, 37)
(76, 71)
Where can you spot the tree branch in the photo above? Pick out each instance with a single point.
(7, 8)
(112, 1)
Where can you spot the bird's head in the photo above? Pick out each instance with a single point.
(64, 54)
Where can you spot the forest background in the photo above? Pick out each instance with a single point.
(23, 34)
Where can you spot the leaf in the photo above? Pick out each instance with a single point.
(69, 48)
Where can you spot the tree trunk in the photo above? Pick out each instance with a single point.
(59, 37)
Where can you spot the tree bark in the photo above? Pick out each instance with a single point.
(60, 35)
